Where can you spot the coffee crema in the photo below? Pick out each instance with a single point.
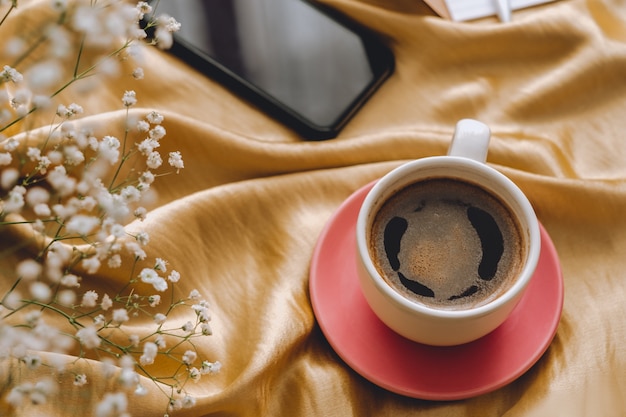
(447, 243)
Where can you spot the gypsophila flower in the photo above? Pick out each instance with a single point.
(113, 404)
(138, 73)
(174, 276)
(80, 380)
(69, 111)
(160, 318)
(157, 133)
(5, 158)
(154, 160)
(206, 329)
(129, 99)
(160, 265)
(194, 374)
(120, 315)
(150, 350)
(82, 224)
(142, 238)
(9, 177)
(29, 269)
(91, 265)
(160, 342)
(176, 161)
(40, 292)
(115, 261)
(90, 298)
(188, 327)
(133, 339)
(155, 118)
(88, 337)
(189, 357)
(70, 280)
(9, 74)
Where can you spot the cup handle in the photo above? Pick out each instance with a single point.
(470, 140)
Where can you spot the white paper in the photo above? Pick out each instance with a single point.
(473, 9)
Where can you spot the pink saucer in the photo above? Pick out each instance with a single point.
(412, 369)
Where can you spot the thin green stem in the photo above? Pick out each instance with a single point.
(13, 6)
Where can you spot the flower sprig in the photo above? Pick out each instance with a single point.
(67, 196)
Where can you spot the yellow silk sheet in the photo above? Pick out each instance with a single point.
(241, 221)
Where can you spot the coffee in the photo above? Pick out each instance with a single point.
(447, 243)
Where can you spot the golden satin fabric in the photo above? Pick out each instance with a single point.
(240, 222)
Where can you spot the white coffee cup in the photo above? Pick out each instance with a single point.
(466, 161)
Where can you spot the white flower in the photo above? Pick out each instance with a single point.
(146, 177)
(82, 224)
(10, 74)
(148, 275)
(40, 292)
(33, 153)
(210, 367)
(144, 8)
(188, 401)
(88, 337)
(11, 145)
(43, 76)
(142, 238)
(157, 133)
(60, 181)
(37, 195)
(14, 202)
(159, 318)
(9, 177)
(73, 155)
(160, 265)
(206, 329)
(155, 118)
(160, 341)
(143, 126)
(188, 327)
(90, 299)
(5, 158)
(176, 161)
(69, 111)
(140, 213)
(130, 194)
(120, 315)
(189, 357)
(106, 303)
(160, 284)
(113, 404)
(91, 264)
(29, 269)
(194, 374)
(108, 148)
(66, 297)
(150, 350)
(129, 99)
(80, 380)
(115, 261)
(135, 249)
(147, 146)
(174, 276)
(138, 73)
(163, 33)
(70, 280)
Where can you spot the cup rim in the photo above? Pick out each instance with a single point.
(397, 178)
